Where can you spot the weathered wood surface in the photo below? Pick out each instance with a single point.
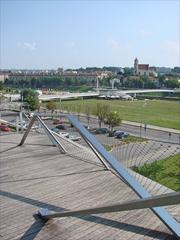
(36, 175)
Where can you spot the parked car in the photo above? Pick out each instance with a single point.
(19, 123)
(87, 127)
(112, 133)
(5, 128)
(61, 127)
(58, 121)
(101, 131)
(122, 135)
(64, 134)
(30, 114)
(117, 132)
(74, 137)
(46, 118)
(14, 121)
(56, 130)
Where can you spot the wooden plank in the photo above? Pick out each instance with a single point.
(35, 176)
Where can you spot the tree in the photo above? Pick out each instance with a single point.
(68, 81)
(2, 98)
(101, 111)
(30, 97)
(113, 119)
(176, 69)
(161, 80)
(128, 71)
(33, 82)
(51, 105)
(27, 92)
(78, 110)
(88, 111)
(172, 84)
(33, 102)
(1, 86)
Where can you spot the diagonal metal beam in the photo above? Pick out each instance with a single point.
(95, 152)
(165, 217)
(27, 130)
(160, 200)
(47, 131)
(51, 136)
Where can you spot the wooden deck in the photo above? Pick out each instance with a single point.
(37, 175)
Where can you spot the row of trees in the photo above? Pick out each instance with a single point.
(142, 82)
(145, 83)
(49, 82)
(73, 83)
(102, 111)
(105, 115)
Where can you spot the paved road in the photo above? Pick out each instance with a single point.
(133, 130)
(141, 132)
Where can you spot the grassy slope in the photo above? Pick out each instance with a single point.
(165, 171)
(156, 112)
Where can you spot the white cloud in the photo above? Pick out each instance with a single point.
(145, 33)
(28, 45)
(114, 44)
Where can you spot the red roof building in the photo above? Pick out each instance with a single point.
(143, 69)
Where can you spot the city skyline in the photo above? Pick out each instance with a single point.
(74, 34)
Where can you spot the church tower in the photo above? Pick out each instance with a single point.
(136, 66)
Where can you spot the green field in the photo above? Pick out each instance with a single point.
(131, 139)
(165, 171)
(155, 112)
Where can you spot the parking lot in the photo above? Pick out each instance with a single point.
(133, 153)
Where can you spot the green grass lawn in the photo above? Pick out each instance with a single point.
(127, 140)
(131, 139)
(107, 147)
(165, 171)
(156, 112)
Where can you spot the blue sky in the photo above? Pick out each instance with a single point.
(73, 34)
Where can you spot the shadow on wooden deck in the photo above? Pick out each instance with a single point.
(8, 149)
(53, 176)
(36, 227)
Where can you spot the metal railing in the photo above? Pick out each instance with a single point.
(146, 201)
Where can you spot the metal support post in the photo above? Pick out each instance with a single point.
(51, 136)
(27, 131)
(17, 124)
(47, 131)
(21, 120)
